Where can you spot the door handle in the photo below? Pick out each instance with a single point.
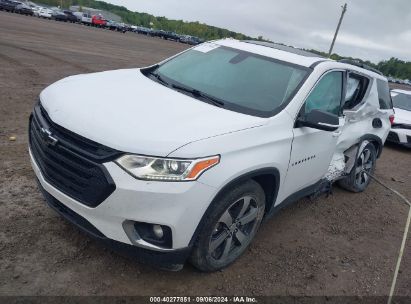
(337, 133)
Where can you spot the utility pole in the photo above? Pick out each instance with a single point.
(344, 9)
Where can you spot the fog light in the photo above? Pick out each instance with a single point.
(158, 231)
(155, 234)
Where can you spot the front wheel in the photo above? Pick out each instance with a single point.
(230, 227)
(358, 179)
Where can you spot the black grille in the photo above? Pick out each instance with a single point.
(70, 162)
(409, 139)
(392, 136)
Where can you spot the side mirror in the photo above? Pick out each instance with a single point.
(321, 120)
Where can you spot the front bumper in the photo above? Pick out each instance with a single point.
(178, 205)
(171, 260)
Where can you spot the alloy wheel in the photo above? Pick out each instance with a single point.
(364, 167)
(235, 228)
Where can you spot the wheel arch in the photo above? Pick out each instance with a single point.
(267, 178)
(375, 140)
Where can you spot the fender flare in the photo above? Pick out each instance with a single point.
(237, 180)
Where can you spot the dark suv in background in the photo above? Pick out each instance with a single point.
(24, 9)
(9, 6)
(70, 16)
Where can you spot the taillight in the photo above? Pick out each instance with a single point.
(391, 119)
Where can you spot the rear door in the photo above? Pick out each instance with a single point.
(313, 149)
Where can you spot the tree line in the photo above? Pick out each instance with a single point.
(393, 67)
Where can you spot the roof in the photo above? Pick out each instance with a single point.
(285, 48)
(276, 51)
(293, 55)
(361, 65)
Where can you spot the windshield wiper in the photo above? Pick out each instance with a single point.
(197, 93)
(159, 78)
(151, 71)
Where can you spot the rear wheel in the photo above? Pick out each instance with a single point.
(230, 227)
(358, 179)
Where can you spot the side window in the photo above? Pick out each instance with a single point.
(327, 94)
(384, 96)
(357, 86)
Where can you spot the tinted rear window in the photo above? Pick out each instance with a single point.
(384, 96)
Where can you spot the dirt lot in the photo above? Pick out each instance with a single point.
(346, 244)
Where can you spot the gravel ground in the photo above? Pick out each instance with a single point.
(346, 244)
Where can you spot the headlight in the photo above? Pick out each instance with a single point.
(166, 169)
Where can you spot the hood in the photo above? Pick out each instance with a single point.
(402, 116)
(127, 111)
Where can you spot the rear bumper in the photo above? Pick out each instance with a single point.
(400, 136)
(169, 260)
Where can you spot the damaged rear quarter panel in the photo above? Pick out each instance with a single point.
(357, 122)
(358, 127)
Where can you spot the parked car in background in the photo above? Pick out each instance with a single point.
(143, 30)
(169, 35)
(115, 26)
(121, 27)
(78, 15)
(245, 127)
(401, 128)
(111, 25)
(184, 38)
(190, 40)
(126, 27)
(45, 13)
(70, 16)
(36, 10)
(8, 5)
(24, 9)
(59, 15)
(86, 18)
(98, 21)
(157, 33)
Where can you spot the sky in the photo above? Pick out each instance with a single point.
(372, 29)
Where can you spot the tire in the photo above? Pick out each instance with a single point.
(358, 180)
(223, 237)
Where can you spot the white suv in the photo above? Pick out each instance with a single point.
(401, 128)
(185, 158)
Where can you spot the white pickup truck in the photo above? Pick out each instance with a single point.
(86, 18)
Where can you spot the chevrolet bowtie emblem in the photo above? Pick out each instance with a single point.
(47, 137)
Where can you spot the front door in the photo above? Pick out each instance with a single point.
(312, 149)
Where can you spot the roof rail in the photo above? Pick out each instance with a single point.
(361, 65)
(284, 48)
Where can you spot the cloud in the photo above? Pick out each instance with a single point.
(353, 41)
(371, 29)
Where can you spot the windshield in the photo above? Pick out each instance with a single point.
(401, 101)
(244, 82)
